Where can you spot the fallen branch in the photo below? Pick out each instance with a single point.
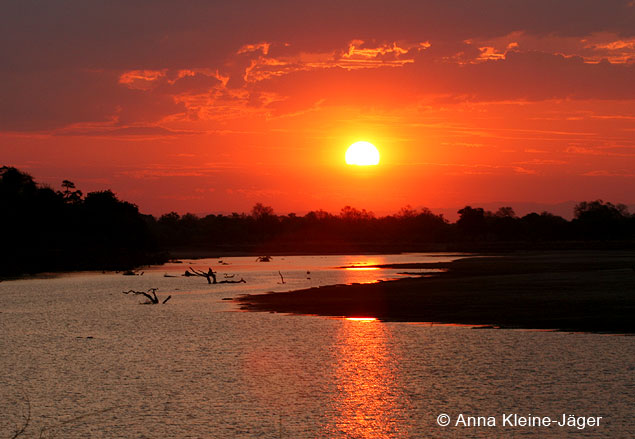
(26, 420)
(210, 275)
(241, 281)
(151, 295)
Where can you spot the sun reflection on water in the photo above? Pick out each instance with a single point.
(363, 270)
(367, 404)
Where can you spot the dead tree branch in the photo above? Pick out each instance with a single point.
(151, 295)
(240, 281)
(26, 420)
(210, 275)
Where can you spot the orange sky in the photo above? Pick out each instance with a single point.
(211, 108)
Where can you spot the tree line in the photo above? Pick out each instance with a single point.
(53, 230)
(46, 229)
(409, 229)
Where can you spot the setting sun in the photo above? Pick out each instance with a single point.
(362, 154)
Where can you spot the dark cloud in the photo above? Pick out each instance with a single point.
(123, 131)
(531, 76)
(50, 99)
(164, 34)
(62, 61)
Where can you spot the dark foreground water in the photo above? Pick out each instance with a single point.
(91, 362)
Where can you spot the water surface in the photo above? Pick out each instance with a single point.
(91, 362)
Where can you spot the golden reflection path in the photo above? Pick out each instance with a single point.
(367, 404)
(363, 269)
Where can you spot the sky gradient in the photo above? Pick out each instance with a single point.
(210, 107)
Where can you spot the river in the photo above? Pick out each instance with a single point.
(80, 359)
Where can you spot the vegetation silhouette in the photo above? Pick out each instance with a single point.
(596, 225)
(48, 230)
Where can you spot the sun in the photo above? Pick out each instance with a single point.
(362, 154)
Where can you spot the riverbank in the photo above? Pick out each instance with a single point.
(570, 291)
(302, 247)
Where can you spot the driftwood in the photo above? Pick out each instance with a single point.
(239, 281)
(50, 431)
(26, 420)
(210, 275)
(281, 278)
(263, 259)
(151, 295)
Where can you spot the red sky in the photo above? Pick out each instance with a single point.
(211, 107)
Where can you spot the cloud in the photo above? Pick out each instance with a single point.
(602, 150)
(159, 171)
(541, 162)
(605, 173)
(73, 62)
(112, 130)
(51, 99)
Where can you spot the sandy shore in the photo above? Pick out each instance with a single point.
(572, 291)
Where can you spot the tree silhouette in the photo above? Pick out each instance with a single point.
(69, 195)
(261, 212)
(471, 222)
(45, 230)
(42, 229)
(600, 220)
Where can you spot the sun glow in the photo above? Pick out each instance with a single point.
(362, 154)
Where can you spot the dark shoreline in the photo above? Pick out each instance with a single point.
(586, 291)
(346, 248)
(56, 262)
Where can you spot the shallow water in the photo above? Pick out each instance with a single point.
(196, 368)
